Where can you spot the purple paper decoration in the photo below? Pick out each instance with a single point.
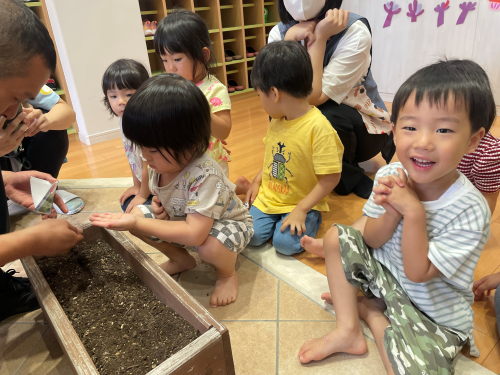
(466, 8)
(391, 8)
(415, 10)
(441, 9)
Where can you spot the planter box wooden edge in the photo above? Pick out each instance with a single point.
(211, 351)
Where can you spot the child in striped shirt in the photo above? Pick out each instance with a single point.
(427, 225)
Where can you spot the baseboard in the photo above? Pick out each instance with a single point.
(99, 137)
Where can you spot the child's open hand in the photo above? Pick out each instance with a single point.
(158, 209)
(296, 220)
(115, 221)
(486, 284)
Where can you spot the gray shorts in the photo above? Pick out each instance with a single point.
(234, 235)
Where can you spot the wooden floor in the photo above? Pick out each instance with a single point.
(250, 124)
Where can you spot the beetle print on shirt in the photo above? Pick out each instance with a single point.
(278, 166)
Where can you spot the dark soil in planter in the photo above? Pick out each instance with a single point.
(123, 326)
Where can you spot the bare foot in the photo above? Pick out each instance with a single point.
(337, 341)
(177, 267)
(313, 246)
(327, 298)
(225, 291)
(242, 185)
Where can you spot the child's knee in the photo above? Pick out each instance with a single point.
(286, 244)
(211, 249)
(331, 239)
(137, 211)
(258, 238)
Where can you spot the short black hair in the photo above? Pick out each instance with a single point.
(285, 65)
(169, 112)
(22, 37)
(465, 80)
(122, 74)
(185, 32)
(286, 17)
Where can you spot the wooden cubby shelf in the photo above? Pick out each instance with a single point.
(40, 9)
(149, 37)
(233, 25)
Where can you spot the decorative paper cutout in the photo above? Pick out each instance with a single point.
(391, 8)
(495, 5)
(441, 9)
(415, 10)
(43, 195)
(466, 8)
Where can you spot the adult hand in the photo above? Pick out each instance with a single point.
(18, 189)
(158, 209)
(52, 237)
(10, 138)
(302, 31)
(117, 221)
(335, 21)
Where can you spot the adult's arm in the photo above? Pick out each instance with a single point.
(346, 69)
(49, 237)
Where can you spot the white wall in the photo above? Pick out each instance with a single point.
(90, 35)
(404, 47)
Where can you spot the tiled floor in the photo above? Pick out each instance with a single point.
(277, 309)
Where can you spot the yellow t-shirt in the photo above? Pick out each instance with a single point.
(218, 99)
(298, 152)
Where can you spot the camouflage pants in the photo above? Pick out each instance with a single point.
(415, 344)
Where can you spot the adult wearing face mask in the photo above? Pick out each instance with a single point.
(27, 57)
(339, 44)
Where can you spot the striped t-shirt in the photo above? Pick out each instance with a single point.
(482, 167)
(458, 226)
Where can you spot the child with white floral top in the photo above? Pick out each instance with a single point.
(191, 58)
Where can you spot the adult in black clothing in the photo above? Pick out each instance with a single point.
(27, 57)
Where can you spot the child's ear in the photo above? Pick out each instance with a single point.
(276, 95)
(474, 140)
(206, 53)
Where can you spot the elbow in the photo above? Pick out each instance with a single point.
(415, 277)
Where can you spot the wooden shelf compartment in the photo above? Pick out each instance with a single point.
(257, 38)
(149, 37)
(39, 8)
(175, 4)
(231, 16)
(253, 13)
(235, 43)
(206, 9)
(272, 23)
(217, 48)
(148, 12)
(272, 12)
(246, 27)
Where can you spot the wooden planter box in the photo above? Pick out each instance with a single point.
(208, 354)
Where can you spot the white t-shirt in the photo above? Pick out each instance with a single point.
(134, 155)
(349, 63)
(458, 226)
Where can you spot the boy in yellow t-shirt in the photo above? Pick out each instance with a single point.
(303, 158)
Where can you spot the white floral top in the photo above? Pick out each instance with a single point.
(218, 99)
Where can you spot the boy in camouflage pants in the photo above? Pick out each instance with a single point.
(427, 225)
